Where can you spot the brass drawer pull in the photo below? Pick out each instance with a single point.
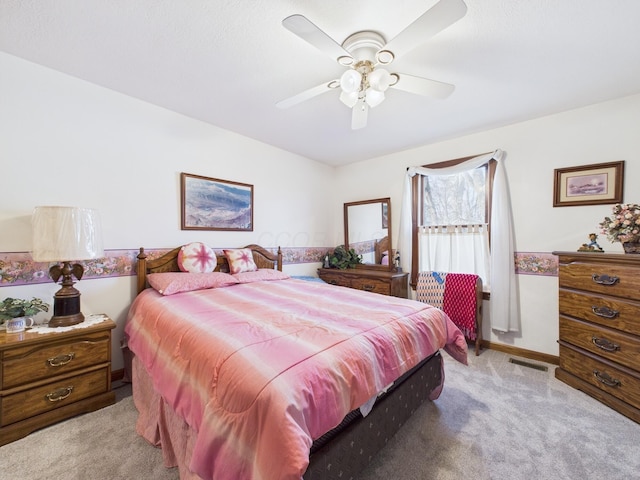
(59, 394)
(61, 360)
(605, 312)
(604, 279)
(333, 282)
(368, 288)
(604, 344)
(606, 379)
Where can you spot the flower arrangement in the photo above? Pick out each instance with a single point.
(624, 224)
(15, 307)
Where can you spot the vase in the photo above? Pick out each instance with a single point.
(631, 247)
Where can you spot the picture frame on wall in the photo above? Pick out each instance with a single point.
(596, 184)
(215, 204)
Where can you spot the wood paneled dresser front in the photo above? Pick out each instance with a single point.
(370, 280)
(599, 306)
(52, 376)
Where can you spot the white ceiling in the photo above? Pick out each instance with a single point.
(227, 62)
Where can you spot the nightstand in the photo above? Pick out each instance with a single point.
(52, 376)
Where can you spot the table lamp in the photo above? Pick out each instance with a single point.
(63, 235)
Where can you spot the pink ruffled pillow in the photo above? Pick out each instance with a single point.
(240, 260)
(168, 283)
(260, 275)
(196, 257)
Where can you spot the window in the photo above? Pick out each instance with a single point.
(451, 224)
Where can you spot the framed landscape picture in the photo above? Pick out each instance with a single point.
(597, 184)
(214, 204)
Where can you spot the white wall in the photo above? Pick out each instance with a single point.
(64, 141)
(599, 133)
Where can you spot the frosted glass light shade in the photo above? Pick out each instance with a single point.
(66, 233)
(379, 79)
(374, 97)
(349, 99)
(350, 81)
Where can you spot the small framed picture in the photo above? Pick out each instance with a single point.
(214, 204)
(597, 184)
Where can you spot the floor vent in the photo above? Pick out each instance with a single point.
(535, 366)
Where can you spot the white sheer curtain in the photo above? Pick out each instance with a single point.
(456, 248)
(505, 315)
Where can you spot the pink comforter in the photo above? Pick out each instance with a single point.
(260, 370)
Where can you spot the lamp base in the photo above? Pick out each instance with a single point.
(66, 307)
(66, 320)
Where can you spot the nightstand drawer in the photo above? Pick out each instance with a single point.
(619, 382)
(35, 362)
(611, 344)
(28, 403)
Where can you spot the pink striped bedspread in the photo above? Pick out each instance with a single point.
(262, 369)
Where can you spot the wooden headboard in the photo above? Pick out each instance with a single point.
(382, 245)
(169, 262)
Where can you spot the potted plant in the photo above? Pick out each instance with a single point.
(16, 307)
(343, 258)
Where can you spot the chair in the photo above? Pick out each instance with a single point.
(459, 295)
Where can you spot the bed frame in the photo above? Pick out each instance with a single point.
(347, 449)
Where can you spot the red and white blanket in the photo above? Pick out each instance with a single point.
(262, 369)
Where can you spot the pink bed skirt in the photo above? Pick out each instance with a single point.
(159, 425)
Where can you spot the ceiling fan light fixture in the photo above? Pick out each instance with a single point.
(379, 79)
(349, 99)
(374, 97)
(350, 81)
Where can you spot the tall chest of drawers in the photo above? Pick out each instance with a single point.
(52, 376)
(599, 307)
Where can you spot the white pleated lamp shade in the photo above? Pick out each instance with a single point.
(66, 233)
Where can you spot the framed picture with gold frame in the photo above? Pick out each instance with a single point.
(596, 184)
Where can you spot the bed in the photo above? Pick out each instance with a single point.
(278, 378)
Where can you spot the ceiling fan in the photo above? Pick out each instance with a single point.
(366, 53)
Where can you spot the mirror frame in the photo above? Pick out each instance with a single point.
(386, 200)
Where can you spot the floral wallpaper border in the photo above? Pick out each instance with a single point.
(18, 268)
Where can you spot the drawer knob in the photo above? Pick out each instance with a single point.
(606, 379)
(61, 359)
(605, 312)
(368, 288)
(333, 282)
(604, 279)
(59, 394)
(604, 344)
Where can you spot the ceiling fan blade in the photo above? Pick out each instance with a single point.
(308, 31)
(307, 94)
(359, 115)
(437, 18)
(423, 86)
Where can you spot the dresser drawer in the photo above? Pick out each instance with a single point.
(616, 280)
(611, 344)
(371, 285)
(603, 310)
(619, 382)
(28, 403)
(35, 362)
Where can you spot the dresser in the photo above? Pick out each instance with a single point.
(599, 338)
(381, 281)
(48, 377)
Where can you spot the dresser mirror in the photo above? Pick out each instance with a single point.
(366, 230)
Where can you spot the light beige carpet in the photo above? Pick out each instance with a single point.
(494, 421)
